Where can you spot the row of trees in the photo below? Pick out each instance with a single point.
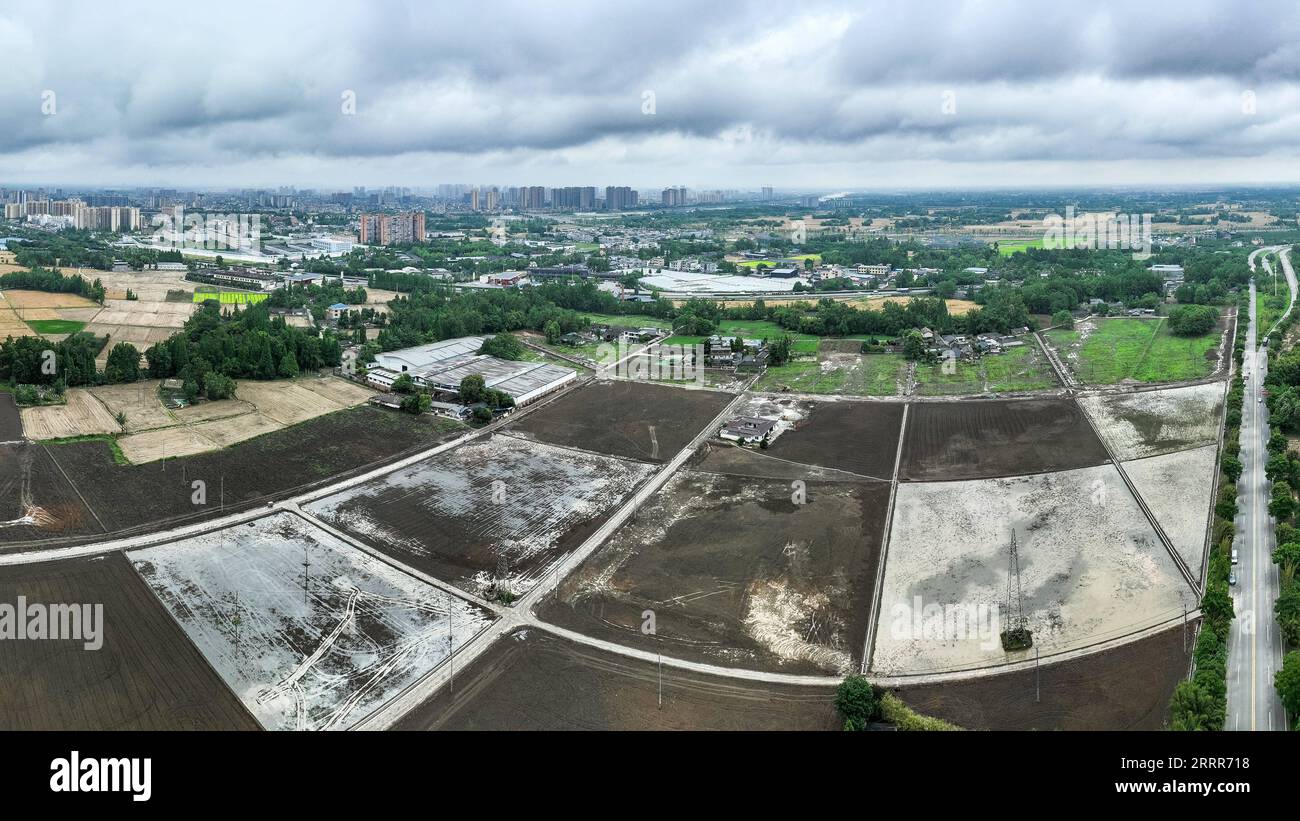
(1202, 702)
(1283, 470)
(41, 279)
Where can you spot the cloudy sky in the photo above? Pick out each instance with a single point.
(708, 94)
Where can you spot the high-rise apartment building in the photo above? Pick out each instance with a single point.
(620, 198)
(392, 229)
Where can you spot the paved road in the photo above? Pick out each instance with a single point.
(1254, 642)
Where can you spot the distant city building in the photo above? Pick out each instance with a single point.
(673, 196)
(620, 198)
(391, 229)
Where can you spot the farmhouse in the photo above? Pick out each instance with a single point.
(336, 310)
(748, 429)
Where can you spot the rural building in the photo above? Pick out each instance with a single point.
(439, 367)
(748, 429)
(336, 310)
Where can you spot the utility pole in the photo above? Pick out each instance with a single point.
(1038, 678)
(661, 680)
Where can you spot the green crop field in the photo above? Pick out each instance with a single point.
(231, 297)
(1008, 247)
(1176, 358)
(1139, 349)
(1017, 369)
(771, 263)
(55, 326)
(866, 375)
(629, 320)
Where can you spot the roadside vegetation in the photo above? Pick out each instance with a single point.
(861, 704)
(1201, 703)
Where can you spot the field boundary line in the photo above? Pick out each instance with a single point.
(802, 465)
(74, 487)
(1146, 350)
(401, 567)
(1058, 367)
(521, 613)
(1142, 504)
(873, 617)
(172, 618)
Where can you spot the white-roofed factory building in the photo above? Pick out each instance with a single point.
(439, 367)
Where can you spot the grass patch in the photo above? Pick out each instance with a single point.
(868, 375)
(56, 326)
(1176, 358)
(1015, 370)
(1111, 353)
(629, 320)
(1143, 350)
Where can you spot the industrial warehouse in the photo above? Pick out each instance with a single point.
(440, 366)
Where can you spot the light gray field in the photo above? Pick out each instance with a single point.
(1149, 423)
(1091, 569)
(310, 633)
(1178, 487)
(502, 506)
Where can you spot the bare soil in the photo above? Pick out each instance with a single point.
(531, 680)
(859, 437)
(737, 573)
(637, 420)
(146, 676)
(254, 471)
(981, 439)
(1127, 688)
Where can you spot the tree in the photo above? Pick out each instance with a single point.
(1287, 556)
(1231, 467)
(403, 384)
(472, 389)
(123, 363)
(482, 414)
(778, 352)
(416, 403)
(1226, 505)
(552, 331)
(914, 345)
(160, 361)
(856, 703)
(1193, 709)
(1282, 505)
(1063, 318)
(503, 346)
(288, 366)
(1287, 610)
(1287, 682)
(219, 386)
(1216, 605)
(1192, 320)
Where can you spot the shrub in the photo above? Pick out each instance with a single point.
(856, 703)
(893, 710)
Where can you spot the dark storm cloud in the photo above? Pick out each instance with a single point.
(450, 91)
